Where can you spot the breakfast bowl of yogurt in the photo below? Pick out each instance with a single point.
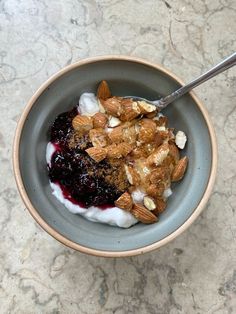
(106, 174)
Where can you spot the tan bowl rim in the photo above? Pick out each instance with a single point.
(62, 238)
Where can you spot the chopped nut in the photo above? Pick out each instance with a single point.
(129, 134)
(130, 110)
(113, 151)
(98, 137)
(112, 106)
(151, 115)
(159, 155)
(180, 139)
(160, 206)
(99, 120)
(124, 201)
(116, 135)
(142, 214)
(174, 152)
(132, 175)
(125, 148)
(146, 107)
(179, 169)
(149, 203)
(113, 122)
(82, 123)
(147, 131)
(155, 190)
(160, 174)
(103, 91)
(97, 153)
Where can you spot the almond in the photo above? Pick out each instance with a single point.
(160, 206)
(180, 169)
(113, 151)
(180, 139)
(155, 190)
(147, 131)
(112, 106)
(160, 174)
(124, 201)
(174, 152)
(125, 148)
(82, 122)
(98, 137)
(151, 115)
(97, 153)
(142, 214)
(113, 122)
(132, 175)
(161, 121)
(146, 107)
(157, 157)
(99, 120)
(103, 91)
(130, 110)
(149, 203)
(129, 134)
(116, 135)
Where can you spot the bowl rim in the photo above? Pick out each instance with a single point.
(57, 235)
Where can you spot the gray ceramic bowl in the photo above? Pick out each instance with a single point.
(126, 76)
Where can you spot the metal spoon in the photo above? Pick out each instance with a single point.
(163, 102)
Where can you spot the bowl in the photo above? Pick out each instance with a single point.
(126, 76)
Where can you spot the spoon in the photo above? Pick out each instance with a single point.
(163, 102)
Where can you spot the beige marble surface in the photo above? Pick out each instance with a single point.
(196, 273)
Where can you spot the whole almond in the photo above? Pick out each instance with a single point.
(103, 91)
(98, 137)
(180, 169)
(97, 153)
(99, 120)
(113, 106)
(124, 201)
(143, 214)
(81, 122)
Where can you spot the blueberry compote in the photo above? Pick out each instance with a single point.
(81, 179)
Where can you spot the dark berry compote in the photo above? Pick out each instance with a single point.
(82, 180)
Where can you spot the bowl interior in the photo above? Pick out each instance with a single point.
(125, 78)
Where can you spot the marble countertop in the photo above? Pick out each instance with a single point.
(196, 273)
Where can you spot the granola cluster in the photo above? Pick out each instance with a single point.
(135, 138)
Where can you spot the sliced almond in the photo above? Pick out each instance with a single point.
(143, 214)
(82, 122)
(113, 151)
(124, 201)
(146, 107)
(97, 153)
(149, 203)
(113, 106)
(180, 169)
(113, 122)
(99, 120)
(132, 175)
(130, 110)
(147, 131)
(157, 157)
(98, 137)
(116, 135)
(103, 91)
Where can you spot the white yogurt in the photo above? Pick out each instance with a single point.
(88, 104)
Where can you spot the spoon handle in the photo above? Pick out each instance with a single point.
(220, 67)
